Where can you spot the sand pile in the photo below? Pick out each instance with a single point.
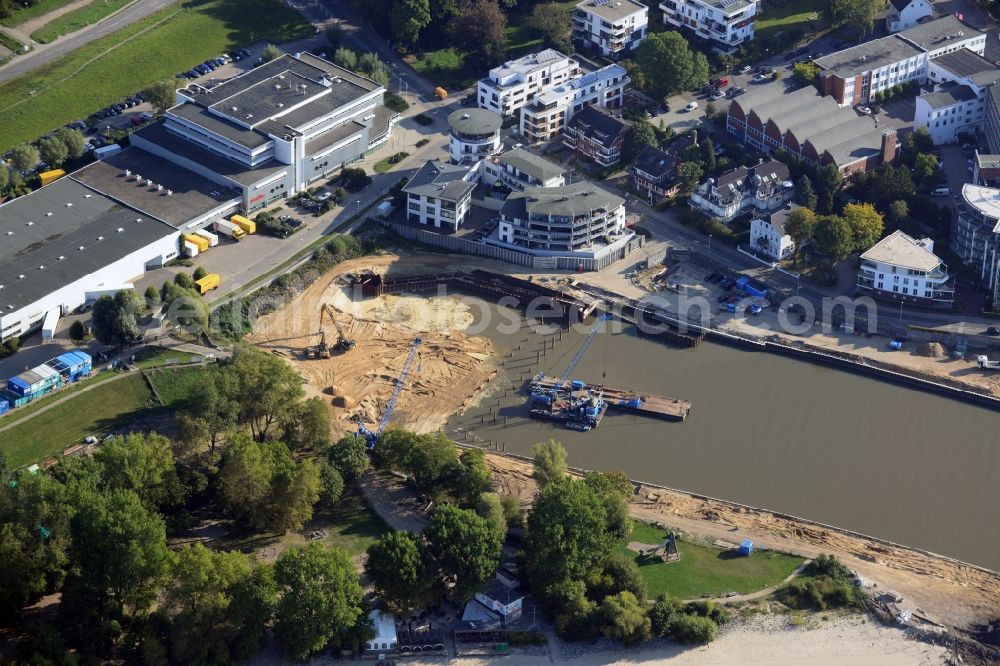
(451, 367)
(931, 350)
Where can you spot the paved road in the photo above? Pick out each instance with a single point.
(44, 53)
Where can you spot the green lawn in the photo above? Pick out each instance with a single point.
(89, 413)
(20, 412)
(77, 19)
(351, 525)
(28, 13)
(387, 163)
(704, 569)
(178, 387)
(11, 43)
(155, 48)
(795, 13)
(155, 356)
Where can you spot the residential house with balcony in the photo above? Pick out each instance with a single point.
(902, 269)
(440, 195)
(517, 169)
(596, 136)
(762, 188)
(474, 135)
(614, 28)
(654, 174)
(514, 83)
(725, 23)
(550, 111)
(905, 14)
(768, 236)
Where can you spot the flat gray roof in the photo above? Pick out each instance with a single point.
(868, 56)
(192, 195)
(440, 180)
(535, 166)
(948, 95)
(478, 122)
(338, 133)
(218, 125)
(612, 10)
(566, 200)
(158, 134)
(39, 228)
(936, 34)
(970, 65)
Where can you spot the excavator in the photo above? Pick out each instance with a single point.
(344, 343)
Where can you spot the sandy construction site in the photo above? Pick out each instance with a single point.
(450, 367)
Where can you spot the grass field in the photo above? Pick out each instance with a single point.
(149, 50)
(11, 43)
(795, 13)
(351, 525)
(77, 19)
(36, 10)
(88, 413)
(178, 387)
(705, 569)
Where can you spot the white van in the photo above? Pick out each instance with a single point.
(941, 191)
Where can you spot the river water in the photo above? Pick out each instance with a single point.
(771, 432)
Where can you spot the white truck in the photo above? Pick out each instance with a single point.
(212, 239)
(227, 228)
(984, 363)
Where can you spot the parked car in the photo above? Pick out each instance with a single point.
(691, 106)
(719, 83)
(735, 92)
(864, 110)
(745, 69)
(141, 96)
(941, 192)
(764, 69)
(993, 330)
(717, 95)
(760, 78)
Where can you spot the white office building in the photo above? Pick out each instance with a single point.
(440, 195)
(902, 269)
(614, 28)
(512, 85)
(565, 219)
(474, 135)
(725, 23)
(551, 110)
(957, 104)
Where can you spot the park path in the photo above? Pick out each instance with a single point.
(759, 594)
(34, 24)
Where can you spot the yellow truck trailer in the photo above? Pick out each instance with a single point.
(441, 92)
(47, 177)
(207, 283)
(200, 241)
(244, 223)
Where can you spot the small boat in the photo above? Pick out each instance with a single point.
(578, 425)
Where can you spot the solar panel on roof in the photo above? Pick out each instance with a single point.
(601, 3)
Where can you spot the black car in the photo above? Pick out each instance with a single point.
(993, 330)
(735, 92)
(765, 70)
(141, 95)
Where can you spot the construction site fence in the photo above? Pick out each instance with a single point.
(465, 246)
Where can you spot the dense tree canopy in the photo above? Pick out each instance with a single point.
(465, 547)
(406, 19)
(549, 462)
(668, 65)
(553, 21)
(401, 570)
(479, 29)
(115, 319)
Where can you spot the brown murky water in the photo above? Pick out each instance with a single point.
(775, 433)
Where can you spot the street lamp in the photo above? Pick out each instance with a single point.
(710, 242)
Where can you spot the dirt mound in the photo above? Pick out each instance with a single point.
(931, 350)
(344, 401)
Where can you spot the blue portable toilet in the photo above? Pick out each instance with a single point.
(746, 547)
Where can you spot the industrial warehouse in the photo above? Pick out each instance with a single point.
(219, 154)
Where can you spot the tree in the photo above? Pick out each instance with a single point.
(331, 484)
(24, 157)
(264, 387)
(199, 273)
(804, 193)
(491, 508)
(689, 174)
(152, 295)
(639, 136)
(693, 629)
(800, 225)
(162, 95)
(866, 225)
(857, 14)
(899, 212)
(668, 65)
(407, 18)
(73, 140)
(374, 68)
(184, 281)
(346, 58)
(553, 21)
(480, 29)
(350, 456)
(308, 426)
(4, 178)
(401, 570)
(625, 619)
(806, 73)
(271, 52)
(620, 482)
(184, 305)
(77, 331)
(473, 476)
(320, 598)
(619, 525)
(142, 463)
(925, 169)
(708, 154)
(115, 319)
(465, 547)
(53, 151)
(662, 614)
(549, 462)
(577, 615)
(833, 237)
(566, 535)
(618, 573)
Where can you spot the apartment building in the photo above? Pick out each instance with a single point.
(725, 23)
(563, 219)
(975, 233)
(513, 84)
(958, 102)
(440, 195)
(614, 28)
(273, 130)
(595, 136)
(551, 110)
(654, 174)
(761, 188)
(901, 269)
(768, 235)
(854, 75)
(474, 135)
(517, 169)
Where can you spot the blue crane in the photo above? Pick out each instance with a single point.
(583, 347)
(371, 436)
